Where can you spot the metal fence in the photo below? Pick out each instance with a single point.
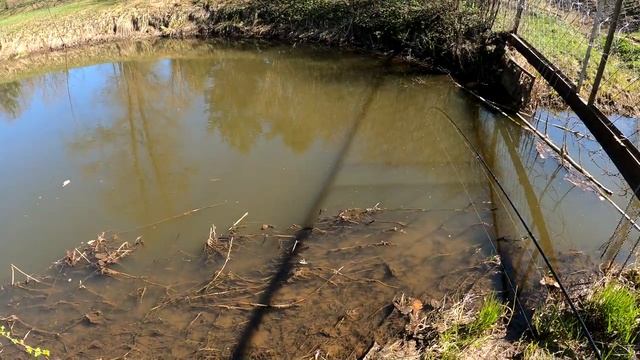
(595, 43)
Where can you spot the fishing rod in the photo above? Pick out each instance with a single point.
(492, 176)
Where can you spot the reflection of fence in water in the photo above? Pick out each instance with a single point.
(596, 44)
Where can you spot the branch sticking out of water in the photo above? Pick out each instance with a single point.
(13, 275)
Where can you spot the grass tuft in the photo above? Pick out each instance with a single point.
(465, 330)
(490, 312)
(611, 313)
(618, 308)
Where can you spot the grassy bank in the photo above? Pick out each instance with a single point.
(24, 31)
(565, 43)
(473, 325)
(446, 34)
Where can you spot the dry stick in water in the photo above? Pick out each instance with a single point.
(226, 260)
(186, 213)
(13, 275)
(238, 221)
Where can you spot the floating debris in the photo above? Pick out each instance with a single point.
(99, 253)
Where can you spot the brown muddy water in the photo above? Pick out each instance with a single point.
(132, 145)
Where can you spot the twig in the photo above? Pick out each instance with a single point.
(193, 321)
(29, 277)
(142, 292)
(238, 221)
(186, 213)
(223, 265)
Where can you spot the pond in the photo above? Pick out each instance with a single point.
(158, 144)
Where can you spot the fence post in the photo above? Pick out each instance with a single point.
(520, 9)
(605, 53)
(592, 38)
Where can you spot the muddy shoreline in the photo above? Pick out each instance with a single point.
(320, 310)
(345, 299)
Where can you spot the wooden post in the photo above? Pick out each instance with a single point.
(592, 38)
(607, 49)
(520, 9)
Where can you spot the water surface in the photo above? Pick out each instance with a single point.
(236, 129)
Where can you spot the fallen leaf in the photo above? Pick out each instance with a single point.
(549, 281)
(416, 306)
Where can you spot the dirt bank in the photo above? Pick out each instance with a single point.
(431, 32)
(449, 36)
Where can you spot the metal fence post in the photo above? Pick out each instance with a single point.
(592, 38)
(607, 49)
(520, 9)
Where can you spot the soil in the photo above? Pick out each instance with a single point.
(335, 303)
(433, 46)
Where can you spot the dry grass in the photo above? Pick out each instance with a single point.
(421, 30)
(92, 21)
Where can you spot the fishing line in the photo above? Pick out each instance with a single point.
(492, 177)
(601, 190)
(475, 209)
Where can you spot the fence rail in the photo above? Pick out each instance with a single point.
(595, 43)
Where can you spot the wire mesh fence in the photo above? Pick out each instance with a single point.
(577, 37)
(596, 45)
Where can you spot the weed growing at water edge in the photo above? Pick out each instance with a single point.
(489, 314)
(36, 352)
(618, 307)
(462, 335)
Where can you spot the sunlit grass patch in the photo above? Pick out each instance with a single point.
(611, 313)
(490, 313)
(618, 308)
(533, 351)
(7, 19)
(464, 329)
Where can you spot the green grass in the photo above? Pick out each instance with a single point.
(618, 308)
(565, 45)
(611, 314)
(458, 337)
(490, 312)
(557, 329)
(628, 50)
(533, 351)
(9, 19)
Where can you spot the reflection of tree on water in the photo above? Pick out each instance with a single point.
(247, 95)
(140, 143)
(267, 94)
(10, 94)
(16, 96)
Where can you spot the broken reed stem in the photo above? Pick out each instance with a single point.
(238, 221)
(226, 260)
(82, 255)
(212, 235)
(13, 275)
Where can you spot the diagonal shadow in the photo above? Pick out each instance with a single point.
(287, 261)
